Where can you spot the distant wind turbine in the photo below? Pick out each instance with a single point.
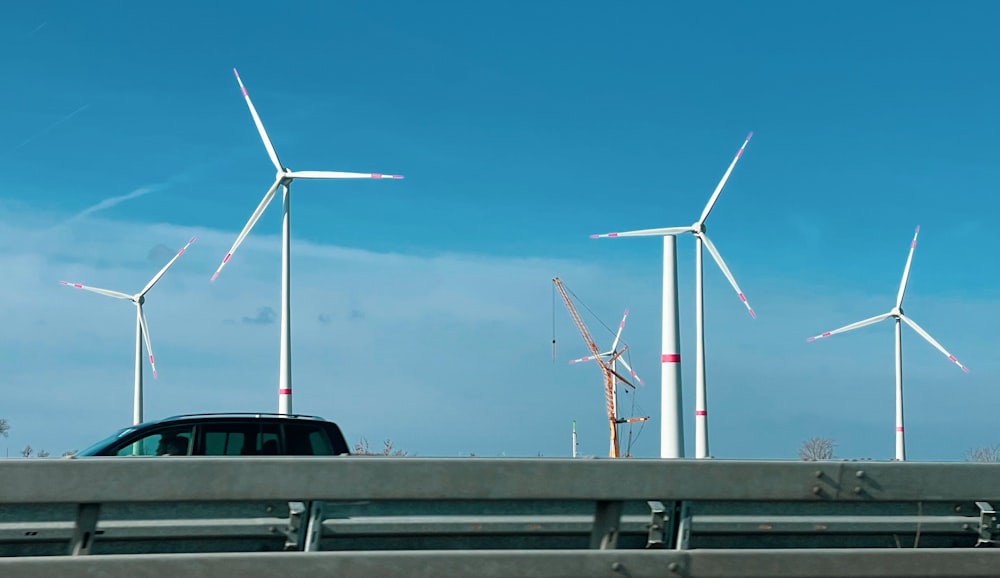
(141, 327)
(283, 179)
(897, 313)
(613, 357)
(698, 230)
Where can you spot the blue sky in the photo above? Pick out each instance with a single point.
(422, 308)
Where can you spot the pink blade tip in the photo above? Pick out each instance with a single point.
(595, 236)
(750, 136)
(64, 282)
(214, 275)
(397, 176)
(918, 229)
(154, 374)
(810, 339)
(193, 239)
(752, 314)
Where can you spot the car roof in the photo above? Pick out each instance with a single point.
(234, 416)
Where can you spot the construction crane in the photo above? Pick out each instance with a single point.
(606, 368)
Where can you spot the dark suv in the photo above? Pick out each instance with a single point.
(225, 434)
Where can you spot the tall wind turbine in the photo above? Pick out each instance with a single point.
(698, 230)
(897, 313)
(283, 179)
(141, 327)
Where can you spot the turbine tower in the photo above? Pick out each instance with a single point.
(698, 229)
(283, 179)
(897, 314)
(141, 327)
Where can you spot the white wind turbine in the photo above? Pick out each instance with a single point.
(897, 313)
(698, 230)
(283, 179)
(141, 327)
(612, 357)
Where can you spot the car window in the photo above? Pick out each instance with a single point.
(307, 440)
(170, 441)
(239, 439)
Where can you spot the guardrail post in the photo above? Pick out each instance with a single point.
(84, 529)
(607, 520)
(683, 526)
(314, 531)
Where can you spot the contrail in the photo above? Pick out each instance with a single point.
(54, 125)
(112, 201)
(39, 27)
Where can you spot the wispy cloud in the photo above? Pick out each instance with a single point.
(37, 28)
(53, 125)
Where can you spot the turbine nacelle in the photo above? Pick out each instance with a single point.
(896, 312)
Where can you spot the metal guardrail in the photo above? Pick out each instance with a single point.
(497, 517)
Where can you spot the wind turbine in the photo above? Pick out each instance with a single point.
(897, 313)
(612, 357)
(141, 327)
(698, 230)
(283, 179)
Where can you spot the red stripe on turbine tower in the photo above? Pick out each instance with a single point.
(670, 358)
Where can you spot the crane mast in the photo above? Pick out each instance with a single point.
(609, 373)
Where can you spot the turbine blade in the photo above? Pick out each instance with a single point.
(725, 271)
(144, 326)
(621, 326)
(646, 233)
(108, 292)
(339, 175)
(246, 228)
(845, 328)
(932, 341)
(165, 267)
(260, 125)
(582, 359)
(906, 270)
(722, 183)
(631, 371)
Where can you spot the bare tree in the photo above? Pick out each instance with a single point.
(814, 449)
(27, 451)
(363, 449)
(985, 454)
(4, 427)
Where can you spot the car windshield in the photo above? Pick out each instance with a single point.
(97, 447)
